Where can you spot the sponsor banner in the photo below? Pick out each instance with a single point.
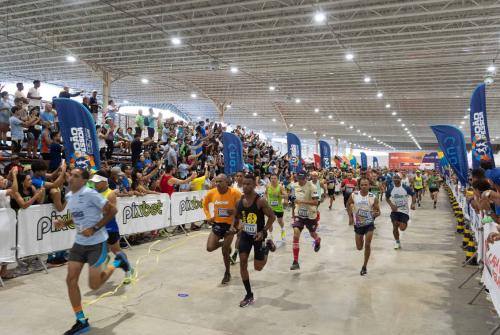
(325, 153)
(7, 235)
(405, 160)
(187, 207)
(233, 154)
(294, 153)
(37, 234)
(479, 134)
(141, 214)
(491, 272)
(364, 161)
(78, 133)
(375, 162)
(452, 143)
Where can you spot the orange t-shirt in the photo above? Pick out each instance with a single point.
(222, 203)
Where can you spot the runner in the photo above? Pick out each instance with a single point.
(275, 194)
(238, 185)
(434, 182)
(375, 187)
(363, 208)
(306, 201)
(348, 186)
(89, 213)
(397, 197)
(418, 186)
(252, 210)
(331, 181)
(101, 185)
(224, 199)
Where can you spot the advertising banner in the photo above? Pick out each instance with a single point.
(141, 214)
(78, 133)
(7, 235)
(325, 153)
(233, 154)
(364, 161)
(375, 163)
(479, 134)
(187, 207)
(491, 272)
(294, 153)
(405, 160)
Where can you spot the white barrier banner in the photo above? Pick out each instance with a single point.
(187, 207)
(7, 235)
(491, 272)
(37, 233)
(142, 214)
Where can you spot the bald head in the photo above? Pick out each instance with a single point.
(222, 183)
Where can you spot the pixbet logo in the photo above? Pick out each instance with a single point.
(190, 205)
(45, 224)
(144, 209)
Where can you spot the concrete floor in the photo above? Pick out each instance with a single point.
(410, 291)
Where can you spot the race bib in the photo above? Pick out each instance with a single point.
(401, 202)
(250, 229)
(223, 212)
(274, 203)
(303, 212)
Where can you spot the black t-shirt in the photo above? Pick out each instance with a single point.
(252, 218)
(136, 147)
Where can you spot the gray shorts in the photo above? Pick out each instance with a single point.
(95, 254)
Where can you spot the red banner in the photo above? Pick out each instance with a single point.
(405, 160)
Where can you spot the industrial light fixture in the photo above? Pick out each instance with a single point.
(194, 95)
(399, 120)
(228, 106)
(367, 79)
(316, 110)
(144, 80)
(350, 127)
(492, 68)
(291, 125)
(125, 101)
(388, 106)
(349, 56)
(274, 120)
(297, 101)
(175, 41)
(71, 58)
(394, 113)
(342, 122)
(272, 88)
(254, 114)
(380, 95)
(319, 17)
(234, 69)
(330, 116)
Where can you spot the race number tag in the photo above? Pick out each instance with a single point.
(303, 213)
(223, 212)
(401, 202)
(274, 203)
(250, 228)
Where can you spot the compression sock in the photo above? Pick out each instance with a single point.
(295, 249)
(246, 283)
(79, 313)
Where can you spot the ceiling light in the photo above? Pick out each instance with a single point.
(304, 129)
(272, 88)
(144, 80)
(330, 116)
(364, 134)
(342, 122)
(125, 101)
(71, 59)
(315, 132)
(316, 110)
(193, 95)
(274, 120)
(463, 122)
(380, 95)
(359, 131)
(319, 17)
(254, 114)
(175, 41)
(199, 117)
(394, 113)
(388, 106)
(460, 127)
(367, 79)
(403, 125)
(332, 138)
(466, 116)
(406, 128)
(291, 125)
(234, 69)
(468, 109)
(297, 101)
(492, 68)
(228, 106)
(350, 127)
(349, 56)
(399, 120)
(324, 135)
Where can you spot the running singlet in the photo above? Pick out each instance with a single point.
(252, 218)
(433, 182)
(112, 225)
(307, 192)
(274, 198)
(350, 185)
(222, 204)
(363, 209)
(399, 197)
(330, 183)
(418, 183)
(319, 189)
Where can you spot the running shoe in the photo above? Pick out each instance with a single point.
(363, 271)
(270, 245)
(226, 279)
(247, 301)
(283, 234)
(124, 265)
(129, 275)
(79, 328)
(233, 258)
(317, 244)
(397, 245)
(434, 205)
(295, 266)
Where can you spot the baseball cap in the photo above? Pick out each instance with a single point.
(302, 174)
(117, 170)
(97, 178)
(494, 175)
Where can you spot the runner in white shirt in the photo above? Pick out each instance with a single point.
(397, 197)
(363, 207)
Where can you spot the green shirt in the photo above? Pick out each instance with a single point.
(274, 198)
(433, 182)
(139, 121)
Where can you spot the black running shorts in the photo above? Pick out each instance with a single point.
(220, 229)
(433, 190)
(95, 254)
(399, 217)
(113, 237)
(364, 229)
(279, 215)
(259, 247)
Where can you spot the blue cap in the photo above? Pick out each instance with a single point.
(302, 174)
(494, 175)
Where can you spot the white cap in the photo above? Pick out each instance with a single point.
(97, 179)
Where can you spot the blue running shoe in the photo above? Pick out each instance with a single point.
(121, 262)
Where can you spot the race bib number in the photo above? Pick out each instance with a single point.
(363, 217)
(303, 213)
(401, 202)
(250, 228)
(274, 203)
(223, 212)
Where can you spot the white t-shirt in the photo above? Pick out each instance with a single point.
(399, 197)
(35, 92)
(4, 199)
(19, 94)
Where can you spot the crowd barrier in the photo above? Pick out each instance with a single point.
(477, 247)
(34, 230)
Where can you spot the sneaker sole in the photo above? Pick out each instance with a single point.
(83, 331)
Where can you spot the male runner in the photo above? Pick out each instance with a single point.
(90, 212)
(331, 181)
(363, 207)
(101, 185)
(275, 194)
(306, 202)
(348, 186)
(434, 182)
(224, 199)
(238, 184)
(418, 186)
(397, 197)
(252, 211)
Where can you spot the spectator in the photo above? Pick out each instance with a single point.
(119, 182)
(34, 131)
(48, 117)
(94, 105)
(168, 180)
(19, 94)
(55, 152)
(35, 99)
(86, 104)
(46, 141)
(159, 125)
(65, 93)
(109, 136)
(14, 163)
(150, 123)
(26, 195)
(111, 111)
(136, 147)
(16, 129)
(139, 123)
(171, 154)
(5, 108)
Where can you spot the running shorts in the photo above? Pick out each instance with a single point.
(310, 224)
(113, 237)
(259, 248)
(364, 229)
(94, 255)
(399, 217)
(220, 229)
(331, 192)
(279, 215)
(433, 190)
